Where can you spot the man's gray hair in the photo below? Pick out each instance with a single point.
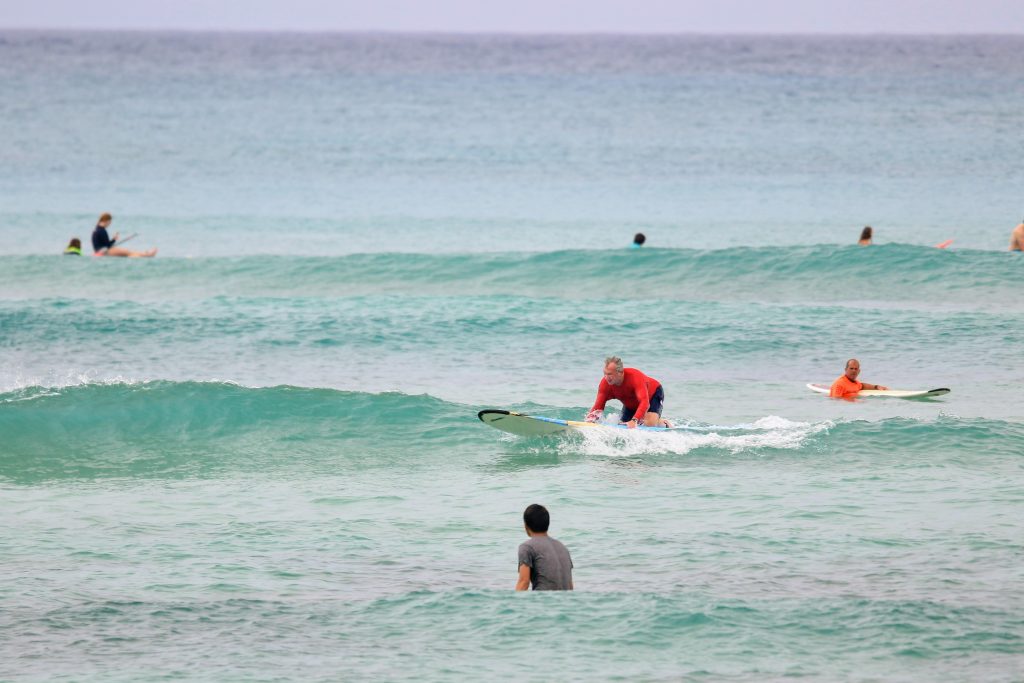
(616, 360)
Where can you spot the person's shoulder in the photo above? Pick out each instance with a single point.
(559, 548)
(527, 551)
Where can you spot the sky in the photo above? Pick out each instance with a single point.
(526, 16)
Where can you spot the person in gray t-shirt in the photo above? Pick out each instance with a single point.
(543, 561)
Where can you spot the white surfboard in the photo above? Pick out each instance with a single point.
(535, 425)
(892, 393)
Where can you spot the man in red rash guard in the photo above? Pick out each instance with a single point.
(640, 395)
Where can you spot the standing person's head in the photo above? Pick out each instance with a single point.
(536, 519)
(613, 371)
(105, 220)
(866, 233)
(852, 369)
(75, 243)
(639, 239)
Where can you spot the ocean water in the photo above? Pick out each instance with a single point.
(257, 457)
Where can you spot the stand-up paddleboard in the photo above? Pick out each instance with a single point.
(892, 393)
(535, 425)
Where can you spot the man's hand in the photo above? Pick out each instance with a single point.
(632, 423)
(594, 416)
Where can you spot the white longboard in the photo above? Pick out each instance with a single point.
(535, 425)
(892, 393)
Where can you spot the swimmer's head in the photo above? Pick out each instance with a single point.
(536, 518)
(852, 369)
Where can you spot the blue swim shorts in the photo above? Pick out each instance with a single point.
(657, 402)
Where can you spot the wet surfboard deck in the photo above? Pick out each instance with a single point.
(536, 425)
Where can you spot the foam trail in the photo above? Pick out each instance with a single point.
(770, 432)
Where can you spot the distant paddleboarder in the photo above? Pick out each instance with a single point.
(103, 244)
(847, 385)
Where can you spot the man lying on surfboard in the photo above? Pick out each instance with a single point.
(847, 385)
(640, 395)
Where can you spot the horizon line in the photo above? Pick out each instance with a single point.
(515, 33)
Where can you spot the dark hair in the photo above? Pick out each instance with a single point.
(536, 518)
(75, 242)
(865, 234)
(639, 238)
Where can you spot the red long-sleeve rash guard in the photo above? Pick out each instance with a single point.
(634, 392)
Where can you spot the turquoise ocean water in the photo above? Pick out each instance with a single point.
(257, 456)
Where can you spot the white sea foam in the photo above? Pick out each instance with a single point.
(56, 382)
(767, 432)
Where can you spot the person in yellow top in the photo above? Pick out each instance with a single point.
(847, 385)
(74, 247)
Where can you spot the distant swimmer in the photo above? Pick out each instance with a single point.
(847, 385)
(640, 395)
(103, 245)
(543, 562)
(865, 236)
(1017, 238)
(74, 247)
(638, 240)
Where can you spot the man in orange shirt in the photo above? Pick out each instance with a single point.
(847, 385)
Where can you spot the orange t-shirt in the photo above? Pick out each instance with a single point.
(844, 388)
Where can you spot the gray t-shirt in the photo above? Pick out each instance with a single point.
(549, 563)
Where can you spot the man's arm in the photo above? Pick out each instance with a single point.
(523, 584)
(865, 385)
(599, 402)
(644, 402)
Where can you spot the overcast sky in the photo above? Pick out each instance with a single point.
(527, 16)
